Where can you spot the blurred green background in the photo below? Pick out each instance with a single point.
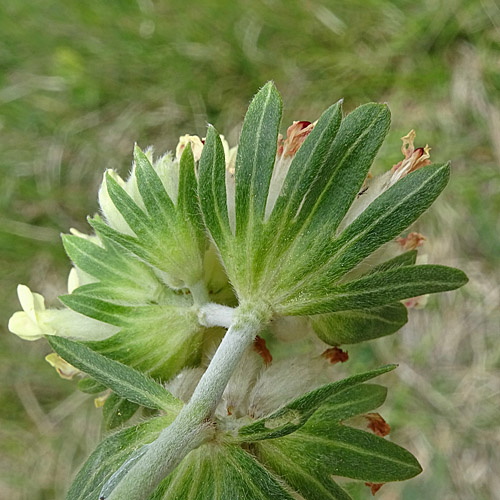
(81, 81)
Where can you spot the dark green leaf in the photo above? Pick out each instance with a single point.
(90, 386)
(311, 158)
(116, 411)
(342, 451)
(350, 156)
(352, 453)
(351, 402)
(217, 471)
(212, 188)
(386, 217)
(256, 156)
(306, 476)
(351, 327)
(125, 381)
(405, 259)
(383, 288)
(296, 413)
(110, 455)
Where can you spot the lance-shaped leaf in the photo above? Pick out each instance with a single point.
(351, 327)
(311, 158)
(342, 451)
(116, 411)
(386, 217)
(349, 158)
(169, 234)
(295, 414)
(218, 471)
(125, 381)
(308, 476)
(212, 189)
(124, 278)
(255, 158)
(378, 289)
(111, 454)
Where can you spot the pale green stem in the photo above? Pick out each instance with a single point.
(191, 426)
(199, 292)
(212, 314)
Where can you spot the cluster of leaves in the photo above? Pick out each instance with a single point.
(290, 258)
(284, 447)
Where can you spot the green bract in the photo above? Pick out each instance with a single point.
(290, 257)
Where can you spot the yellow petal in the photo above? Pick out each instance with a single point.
(62, 367)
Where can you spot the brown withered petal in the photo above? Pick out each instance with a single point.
(412, 241)
(335, 355)
(377, 424)
(259, 346)
(374, 487)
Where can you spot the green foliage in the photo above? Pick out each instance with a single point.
(351, 327)
(116, 411)
(125, 381)
(295, 414)
(111, 454)
(219, 471)
(291, 260)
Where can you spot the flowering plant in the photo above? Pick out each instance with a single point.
(290, 245)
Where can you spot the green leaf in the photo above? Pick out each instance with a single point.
(107, 312)
(124, 240)
(351, 154)
(90, 386)
(111, 454)
(135, 217)
(212, 188)
(351, 327)
(255, 158)
(310, 159)
(379, 289)
(387, 216)
(352, 453)
(217, 471)
(156, 200)
(188, 207)
(116, 411)
(306, 476)
(125, 381)
(296, 413)
(351, 402)
(405, 259)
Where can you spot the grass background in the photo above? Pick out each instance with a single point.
(81, 81)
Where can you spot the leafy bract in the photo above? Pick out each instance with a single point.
(287, 255)
(295, 414)
(158, 339)
(218, 471)
(125, 381)
(169, 236)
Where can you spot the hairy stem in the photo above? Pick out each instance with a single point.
(212, 314)
(191, 426)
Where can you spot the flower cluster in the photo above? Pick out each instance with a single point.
(290, 244)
